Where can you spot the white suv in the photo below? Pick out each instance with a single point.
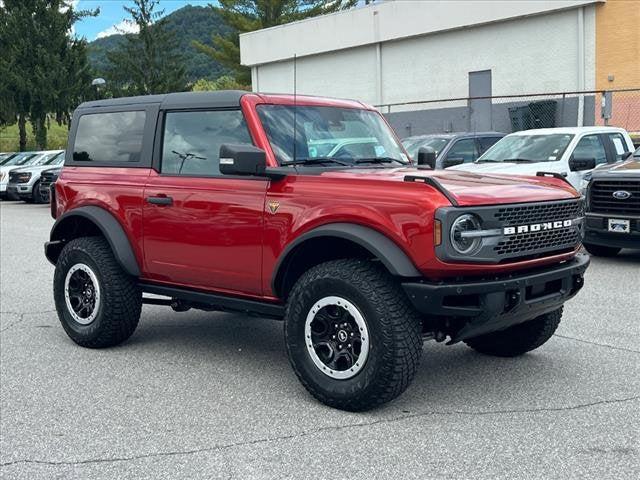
(571, 152)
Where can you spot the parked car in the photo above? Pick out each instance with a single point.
(48, 178)
(24, 182)
(211, 200)
(452, 148)
(613, 208)
(16, 161)
(570, 152)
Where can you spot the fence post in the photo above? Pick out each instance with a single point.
(606, 107)
(564, 99)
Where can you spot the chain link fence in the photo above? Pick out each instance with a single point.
(510, 113)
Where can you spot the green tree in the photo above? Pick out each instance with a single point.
(225, 82)
(249, 15)
(43, 70)
(146, 62)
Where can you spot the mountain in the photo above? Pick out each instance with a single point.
(187, 24)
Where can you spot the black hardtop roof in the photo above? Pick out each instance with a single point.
(217, 99)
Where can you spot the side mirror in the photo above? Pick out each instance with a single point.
(450, 162)
(242, 160)
(427, 156)
(580, 164)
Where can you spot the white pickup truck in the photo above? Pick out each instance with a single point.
(571, 152)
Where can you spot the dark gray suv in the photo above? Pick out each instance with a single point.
(452, 148)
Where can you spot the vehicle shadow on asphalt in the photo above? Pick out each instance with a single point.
(449, 378)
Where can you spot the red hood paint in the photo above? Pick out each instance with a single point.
(470, 189)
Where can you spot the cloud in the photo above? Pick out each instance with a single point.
(125, 26)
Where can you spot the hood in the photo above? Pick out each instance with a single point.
(33, 169)
(468, 188)
(626, 168)
(506, 167)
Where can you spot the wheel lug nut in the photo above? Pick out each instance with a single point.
(349, 345)
(339, 346)
(333, 337)
(352, 334)
(336, 325)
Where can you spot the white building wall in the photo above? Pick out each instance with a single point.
(532, 54)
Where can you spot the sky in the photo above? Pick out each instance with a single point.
(112, 16)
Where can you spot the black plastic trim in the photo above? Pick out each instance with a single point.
(216, 301)
(435, 184)
(384, 249)
(557, 175)
(110, 228)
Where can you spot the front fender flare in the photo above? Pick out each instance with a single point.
(379, 245)
(108, 226)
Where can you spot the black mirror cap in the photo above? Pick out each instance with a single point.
(451, 162)
(242, 159)
(427, 156)
(580, 164)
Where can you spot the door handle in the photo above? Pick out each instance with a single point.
(160, 200)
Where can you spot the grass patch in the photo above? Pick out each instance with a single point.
(10, 141)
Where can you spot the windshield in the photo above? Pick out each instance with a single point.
(527, 148)
(19, 159)
(6, 157)
(51, 159)
(345, 136)
(636, 154)
(413, 145)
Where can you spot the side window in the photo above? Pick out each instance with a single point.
(109, 137)
(486, 142)
(465, 149)
(591, 147)
(192, 140)
(619, 145)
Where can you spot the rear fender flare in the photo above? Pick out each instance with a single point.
(108, 226)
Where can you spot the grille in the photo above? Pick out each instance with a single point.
(542, 212)
(47, 178)
(603, 201)
(524, 244)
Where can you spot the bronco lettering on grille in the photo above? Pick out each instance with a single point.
(537, 227)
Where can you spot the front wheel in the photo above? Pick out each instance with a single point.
(37, 194)
(98, 304)
(352, 337)
(519, 339)
(601, 250)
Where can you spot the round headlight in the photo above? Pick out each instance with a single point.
(466, 245)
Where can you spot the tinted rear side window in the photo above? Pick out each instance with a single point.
(109, 137)
(486, 142)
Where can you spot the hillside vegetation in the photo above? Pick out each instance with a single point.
(187, 24)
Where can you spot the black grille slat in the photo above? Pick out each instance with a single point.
(530, 244)
(548, 212)
(602, 200)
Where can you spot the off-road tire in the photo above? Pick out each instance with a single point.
(519, 339)
(394, 331)
(35, 193)
(601, 250)
(121, 299)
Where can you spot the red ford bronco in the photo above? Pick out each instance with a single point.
(304, 209)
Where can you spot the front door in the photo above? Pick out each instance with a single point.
(203, 229)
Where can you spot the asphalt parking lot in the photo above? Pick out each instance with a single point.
(207, 395)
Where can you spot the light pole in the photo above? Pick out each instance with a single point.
(98, 83)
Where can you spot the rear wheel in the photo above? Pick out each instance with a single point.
(518, 339)
(601, 250)
(352, 337)
(98, 304)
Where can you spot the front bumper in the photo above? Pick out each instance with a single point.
(19, 190)
(491, 304)
(597, 231)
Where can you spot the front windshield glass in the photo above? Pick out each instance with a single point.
(51, 159)
(636, 154)
(437, 143)
(19, 159)
(527, 148)
(6, 157)
(344, 136)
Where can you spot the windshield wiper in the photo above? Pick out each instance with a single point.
(379, 160)
(519, 160)
(316, 161)
(487, 160)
